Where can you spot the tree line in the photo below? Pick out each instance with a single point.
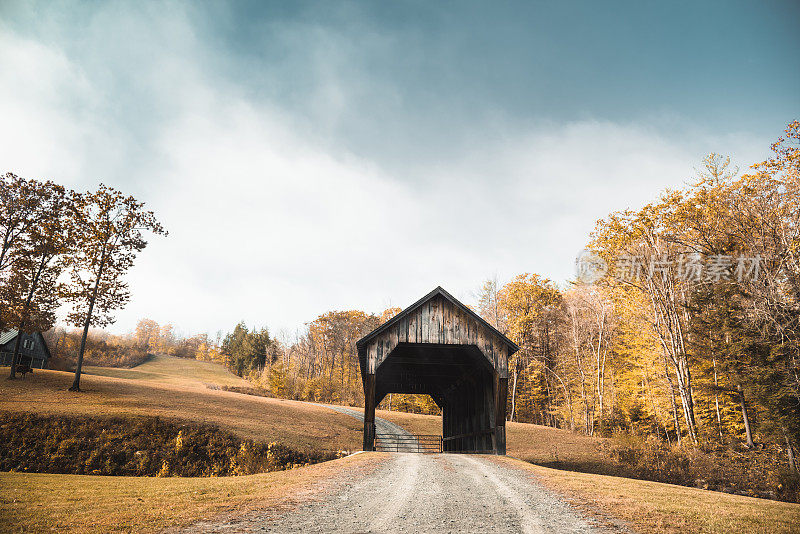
(690, 327)
(59, 246)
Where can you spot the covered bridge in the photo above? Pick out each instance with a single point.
(438, 346)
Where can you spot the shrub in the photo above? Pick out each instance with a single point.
(137, 446)
(758, 473)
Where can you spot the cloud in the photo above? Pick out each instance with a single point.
(274, 220)
(36, 105)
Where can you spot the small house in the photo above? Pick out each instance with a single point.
(33, 349)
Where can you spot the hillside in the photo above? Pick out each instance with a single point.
(176, 389)
(171, 370)
(181, 397)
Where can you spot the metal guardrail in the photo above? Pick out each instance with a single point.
(405, 443)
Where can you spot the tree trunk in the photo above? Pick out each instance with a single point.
(76, 383)
(25, 310)
(15, 358)
(746, 418)
(790, 453)
(514, 393)
(674, 405)
(600, 363)
(716, 399)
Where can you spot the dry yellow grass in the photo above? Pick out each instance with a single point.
(88, 504)
(176, 390)
(651, 507)
(172, 370)
(296, 424)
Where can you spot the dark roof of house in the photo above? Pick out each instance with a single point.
(439, 291)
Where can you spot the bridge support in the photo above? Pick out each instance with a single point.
(369, 412)
(501, 394)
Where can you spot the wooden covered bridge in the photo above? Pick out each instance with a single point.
(438, 346)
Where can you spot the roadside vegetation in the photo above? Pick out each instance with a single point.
(138, 446)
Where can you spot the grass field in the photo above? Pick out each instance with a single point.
(32, 502)
(653, 507)
(297, 424)
(176, 389)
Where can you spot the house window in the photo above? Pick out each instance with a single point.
(28, 344)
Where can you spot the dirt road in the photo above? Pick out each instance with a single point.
(409, 493)
(412, 493)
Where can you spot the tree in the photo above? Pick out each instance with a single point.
(531, 306)
(388, 313)
(489, 304)
(649, 261)
(32, 291)
(589, 318)
(247, 350)
(147, 333)
(22, 205)
(109, 234)
(331, 340)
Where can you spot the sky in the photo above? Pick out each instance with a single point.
(317, 156)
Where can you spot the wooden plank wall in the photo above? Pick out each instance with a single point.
(438, 321)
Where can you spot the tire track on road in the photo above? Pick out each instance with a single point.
(404, 488)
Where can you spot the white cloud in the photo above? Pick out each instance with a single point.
(37, 101)
(273, 224)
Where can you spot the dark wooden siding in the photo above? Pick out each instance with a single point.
(32, 351)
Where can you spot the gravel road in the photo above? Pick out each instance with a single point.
(435, 493)
(410, 492)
